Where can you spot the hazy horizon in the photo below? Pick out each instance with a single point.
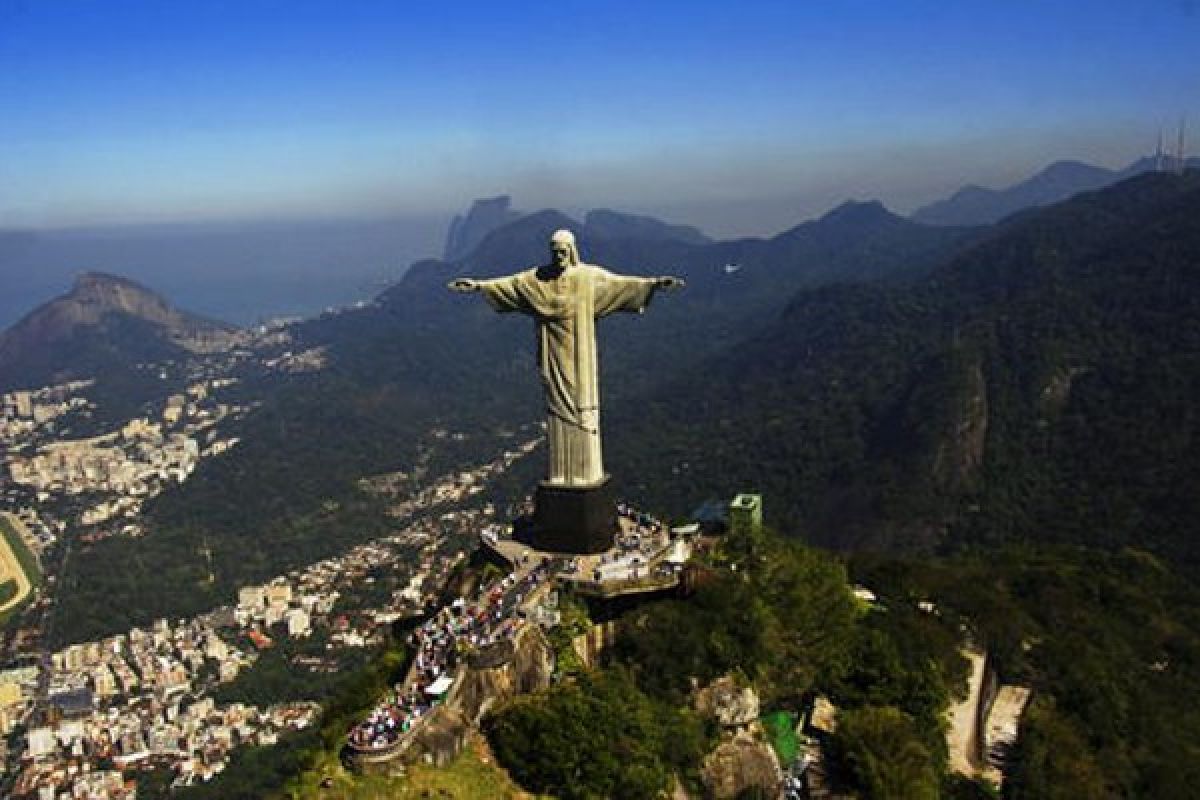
(765, 215)
(737, 118)
(246, 271)
(136, 119)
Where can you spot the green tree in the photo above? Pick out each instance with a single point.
(880, 753)
(1053, 761)
(598, 737)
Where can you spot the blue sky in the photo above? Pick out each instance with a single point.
(734, 115)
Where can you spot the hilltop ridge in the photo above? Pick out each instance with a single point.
(978, 205)
(103, 320)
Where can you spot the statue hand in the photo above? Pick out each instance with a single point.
(668, 282)
(463, 285)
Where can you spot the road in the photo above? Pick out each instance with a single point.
(962, 737)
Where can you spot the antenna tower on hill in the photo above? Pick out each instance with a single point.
(1180, 160)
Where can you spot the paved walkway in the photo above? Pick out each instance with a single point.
(619, 574)
(962, 738)
(490, 618)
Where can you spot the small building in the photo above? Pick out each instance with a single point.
(678, 554)
(745, 513)
(41, 742)
(23, 401)
(279, 594)
(252, 598)
(438, 688)
(298, 622)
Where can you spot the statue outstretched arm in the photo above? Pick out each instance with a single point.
(502, 294)
(464, 285)
(616, 292)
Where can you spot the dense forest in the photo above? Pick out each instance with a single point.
(778, 615)
(1039, 386)
(1109, 642)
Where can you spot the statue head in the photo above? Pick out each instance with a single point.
(563, 250)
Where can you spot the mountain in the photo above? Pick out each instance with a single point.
(732, 286)
(485, 215)
(617, 225)
(422, 358)
(976, 205)
(1040, 386)
(103, 323)
(243, 272)
(491, 213)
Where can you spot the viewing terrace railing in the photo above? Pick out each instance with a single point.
(612, 588)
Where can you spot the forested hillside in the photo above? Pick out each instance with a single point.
(1038, 386)
(422, 358)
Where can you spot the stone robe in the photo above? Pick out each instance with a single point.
(565, 306)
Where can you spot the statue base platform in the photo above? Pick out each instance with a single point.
(574, 519)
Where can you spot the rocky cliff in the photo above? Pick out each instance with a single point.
(742, 764)
(591, 645)
(524, 668)
(486, 215)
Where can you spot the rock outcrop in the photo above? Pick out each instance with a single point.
(743, 760)
(960, 454)
(733, 706)
(441, 738)
(740, 763)
(527, 667)
(591, 645)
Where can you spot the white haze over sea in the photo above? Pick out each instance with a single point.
(243, 273)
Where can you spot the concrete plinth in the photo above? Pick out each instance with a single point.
(574, 519)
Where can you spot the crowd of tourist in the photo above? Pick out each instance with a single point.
(463, 627)
(635, 547)
(440, 642)
(645, 522)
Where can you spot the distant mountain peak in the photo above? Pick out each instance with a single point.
(978, 205)
(858, 212)
(95, 300)
(620, 225)
(114, 293)
(485, 215)
(1067, 165)
(92, 278)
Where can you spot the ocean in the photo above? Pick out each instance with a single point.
(243, 273)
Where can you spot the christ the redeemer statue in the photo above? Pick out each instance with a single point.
(565, 298)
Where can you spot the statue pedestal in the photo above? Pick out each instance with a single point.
(574, 519)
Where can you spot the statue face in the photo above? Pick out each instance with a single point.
(561, 252)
